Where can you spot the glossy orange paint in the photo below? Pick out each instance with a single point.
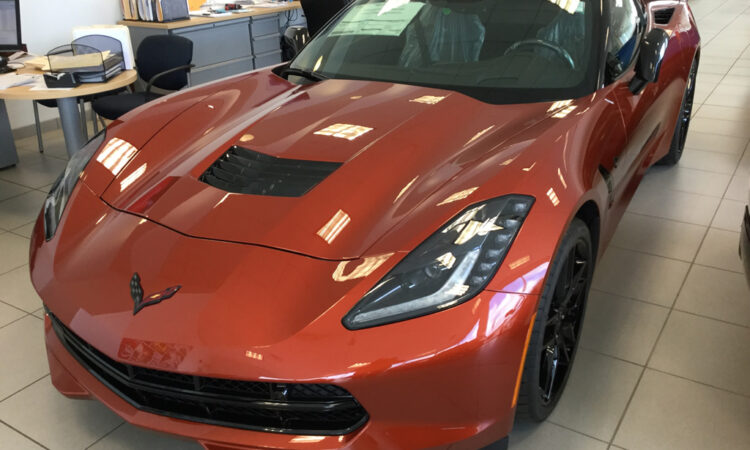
(257, 279)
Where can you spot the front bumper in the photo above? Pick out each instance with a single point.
(745, 243)
(485, 407)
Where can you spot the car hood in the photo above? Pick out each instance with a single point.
(412, 142)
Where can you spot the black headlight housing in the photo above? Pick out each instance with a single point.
(449, 268)
(58, 196)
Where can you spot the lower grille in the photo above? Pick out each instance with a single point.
(311, 409)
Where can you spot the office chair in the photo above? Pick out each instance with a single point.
(319, 12)
(163, 62)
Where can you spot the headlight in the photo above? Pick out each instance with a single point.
(450, 267)
(58, 196)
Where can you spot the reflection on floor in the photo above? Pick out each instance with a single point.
(664, 361)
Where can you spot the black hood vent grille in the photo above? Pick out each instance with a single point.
(243, 171)
(663, 16)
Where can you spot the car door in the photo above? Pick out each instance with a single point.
(649, 115)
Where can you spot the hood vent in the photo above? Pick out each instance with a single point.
(663, 16)
(243, 171)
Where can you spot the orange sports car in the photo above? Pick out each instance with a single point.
(386, 243)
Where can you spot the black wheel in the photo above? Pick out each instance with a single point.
(683, 122)
(554, 339)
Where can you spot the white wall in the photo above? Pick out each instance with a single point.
(46, 24)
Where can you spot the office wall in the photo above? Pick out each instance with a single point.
(46, 24)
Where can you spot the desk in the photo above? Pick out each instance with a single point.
(227, 45)
(70, 117)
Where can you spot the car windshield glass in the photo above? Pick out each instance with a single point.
(499, 51)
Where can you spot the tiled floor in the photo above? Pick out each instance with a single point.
(664, 362)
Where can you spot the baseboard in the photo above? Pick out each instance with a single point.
(30, 130)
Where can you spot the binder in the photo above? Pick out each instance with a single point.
(156, 10)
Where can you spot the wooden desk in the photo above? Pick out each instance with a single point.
(70, 117)
(227, 45)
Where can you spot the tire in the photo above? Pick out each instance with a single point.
(538, 396)
(683, 121)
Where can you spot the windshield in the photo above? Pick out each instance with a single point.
(499, 51)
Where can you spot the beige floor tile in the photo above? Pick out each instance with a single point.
(24, 359)
(718, 49)
(9, 314)
(729, 216)
(54, 145)
(710, 161)
(739, 71)
(703, 91)
(739, 188)
(720, 249)
(675, 205)
(710, 78)
(25, 230)
(14, 250)
(734, 101)
(129, 437)
(741, 115)
(18, 291)
(68, 424)
(21, 210)
(718, 69)
(39, 313)
(8, 190)
(704, 350)
(734, 80)
(620, 327)
(715, 143)
(35, 174)
(659, 237)
(686, 180)
(716, 293)
(12, 440)
(637, 275)
(532, 436)
(720, 126)
(742, 92)
(596, 394)
(671, 413)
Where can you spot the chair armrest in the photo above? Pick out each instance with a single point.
(167, 72)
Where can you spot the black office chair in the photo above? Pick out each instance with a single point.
(163, 62)
(319, 12)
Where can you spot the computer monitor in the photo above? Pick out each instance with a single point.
(10, 25)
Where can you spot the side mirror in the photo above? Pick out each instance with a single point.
(653, 49)
(296, 37)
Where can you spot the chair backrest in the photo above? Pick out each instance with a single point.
(319, 12)
(157, 54)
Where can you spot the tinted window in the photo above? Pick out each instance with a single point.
(500, 51)
(624, 35)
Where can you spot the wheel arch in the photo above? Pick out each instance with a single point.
(590, 215)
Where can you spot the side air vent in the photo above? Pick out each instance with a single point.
(663, 16)
(244, 171)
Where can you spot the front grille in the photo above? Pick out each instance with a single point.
(244, 171)
(663, 16)
(310, 409)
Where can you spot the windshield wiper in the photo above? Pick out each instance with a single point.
(310, 75)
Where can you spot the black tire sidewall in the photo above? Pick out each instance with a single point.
(530, 404)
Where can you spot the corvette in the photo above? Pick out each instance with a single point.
(386, 243)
